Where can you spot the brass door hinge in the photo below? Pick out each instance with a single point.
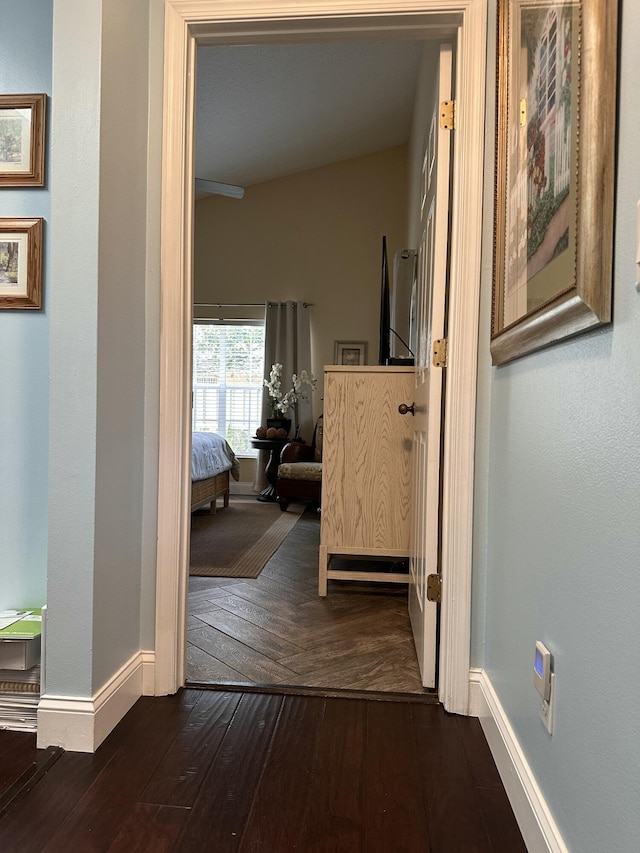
(440, 352)
(434, 588)
(448, 115)
(523, 112)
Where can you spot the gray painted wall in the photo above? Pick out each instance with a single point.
(99, 289)
(75, 183)
(558, 536)
(25, 67)
(121, 334)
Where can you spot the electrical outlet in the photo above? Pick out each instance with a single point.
(546, 708)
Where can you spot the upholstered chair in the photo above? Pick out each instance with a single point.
(300, 471)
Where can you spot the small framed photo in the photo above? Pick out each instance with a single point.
(350, 353)
(22, 119)
(21, 263)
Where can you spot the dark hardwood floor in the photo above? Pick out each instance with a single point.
(273, 756)
(222, 771)
(277, 630)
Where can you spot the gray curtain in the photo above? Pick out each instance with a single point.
(287, 341)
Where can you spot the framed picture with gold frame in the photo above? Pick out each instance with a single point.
(22, 120)
(21, 263)
(555, 143)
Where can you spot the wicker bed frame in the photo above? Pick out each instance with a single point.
(205, 492)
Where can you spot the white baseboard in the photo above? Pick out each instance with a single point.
(476, 698)
(538, 828)
(242, 488)
(79, 724)
(148, 673)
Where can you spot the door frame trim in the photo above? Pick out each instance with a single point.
(188, 22)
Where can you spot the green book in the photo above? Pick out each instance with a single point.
(26, 626)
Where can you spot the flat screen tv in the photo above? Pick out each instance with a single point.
(393, 344)
(385, 328)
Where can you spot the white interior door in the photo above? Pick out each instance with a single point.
(431, 290)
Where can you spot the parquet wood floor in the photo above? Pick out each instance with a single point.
(276, 630)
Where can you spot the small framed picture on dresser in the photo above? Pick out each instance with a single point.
(352, 353)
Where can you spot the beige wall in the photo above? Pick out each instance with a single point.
(315, 236)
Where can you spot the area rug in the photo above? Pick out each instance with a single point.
(239, 539)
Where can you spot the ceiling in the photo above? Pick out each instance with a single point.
(265, 111)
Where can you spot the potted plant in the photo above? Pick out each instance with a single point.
(281, 402)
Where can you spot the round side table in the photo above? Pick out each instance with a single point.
(274, 446)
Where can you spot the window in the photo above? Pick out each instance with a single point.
(547, 68)
(228, 367)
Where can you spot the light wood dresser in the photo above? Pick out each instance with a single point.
(366, 470)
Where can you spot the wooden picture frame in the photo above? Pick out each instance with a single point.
(554, 192)
(22, 134)
(21, 263)
(352, 353)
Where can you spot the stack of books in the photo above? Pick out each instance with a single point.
(20, 638)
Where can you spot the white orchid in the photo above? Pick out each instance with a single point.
(281, 402)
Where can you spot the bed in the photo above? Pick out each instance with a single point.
(212, 460)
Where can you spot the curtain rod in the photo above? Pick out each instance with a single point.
(239, 304)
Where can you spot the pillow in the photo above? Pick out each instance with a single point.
(300, 471)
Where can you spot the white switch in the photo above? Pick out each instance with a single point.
(543, 680)
(546, 708)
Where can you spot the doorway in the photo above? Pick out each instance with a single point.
(185, 25)
(323, 139)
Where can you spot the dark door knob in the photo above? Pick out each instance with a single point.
(403, 408)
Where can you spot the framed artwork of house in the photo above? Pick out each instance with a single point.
(555, 143)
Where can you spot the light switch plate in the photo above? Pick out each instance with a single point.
(546, 708)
